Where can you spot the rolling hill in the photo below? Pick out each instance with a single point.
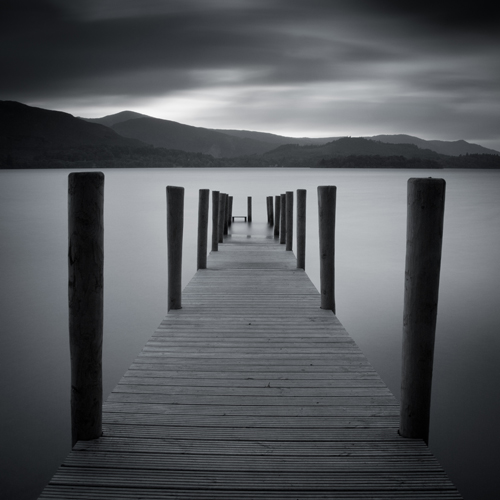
(28, 132)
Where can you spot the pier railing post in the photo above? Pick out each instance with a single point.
(282, 219)
(301, 228)
(424, 238)
(289, 220)
(222, 214)
(249, 209)
(175, 229)
(85, 287)
(203, 203)
(277, 206)
(327, 200)
(215, 221)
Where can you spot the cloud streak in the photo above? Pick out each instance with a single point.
(329, 67)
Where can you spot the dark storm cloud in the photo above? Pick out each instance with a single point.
(91, 49)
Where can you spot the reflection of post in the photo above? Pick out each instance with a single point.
(289, 220)
(283, 219)
(175, 229)
(222, 213)
(203, 203)
(249, 209)
(85, 266)
(301, 228)
(215, 221)
(277, 206)
(327, 198)
(424, 238)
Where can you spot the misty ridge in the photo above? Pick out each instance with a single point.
(32, 137)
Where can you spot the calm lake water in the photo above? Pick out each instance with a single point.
(371, 219)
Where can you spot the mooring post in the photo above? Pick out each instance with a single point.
(424, 237)
(271, 211)
(215, 221)
(85, 294)
(277, 205)
(283, 219)
(175, 229)
(327, 199)
(203, 203)
(289, 220)
(222, 214)
(230, 211)
(249, 209)
(226, 211)
(301, 228)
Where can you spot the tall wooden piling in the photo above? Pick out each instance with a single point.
(282, 219)
(226, 211)
(203, 203)
(222, 214)
(327, 199)
(270, 212)
(215, 221)
(249, 209)
(230, 211)
(289, 220)
(175, 229)
(301, 228)
(424, 238)
(277, 206)
(85, 283)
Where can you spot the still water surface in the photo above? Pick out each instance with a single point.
(371, 219)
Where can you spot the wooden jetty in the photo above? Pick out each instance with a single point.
(250, 391)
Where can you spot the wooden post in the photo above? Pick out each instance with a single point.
(424, 236)
(301, 228)
(85, 283)
(226, 211)
(270, 210)
(249, 209)
(203, 203)
(230, 211)
(277, 206)
(215, 221)
(175, 229)
(289, 220)
(327, 198)
(222, 213)
(283, 219)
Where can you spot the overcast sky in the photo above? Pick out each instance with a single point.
(292, 67)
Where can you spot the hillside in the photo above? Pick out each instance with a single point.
(450, 148)
(277, 140)
(27, 133)
(111, 120)
(172, 135)
(36, 138)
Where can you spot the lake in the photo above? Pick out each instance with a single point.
(370, 255)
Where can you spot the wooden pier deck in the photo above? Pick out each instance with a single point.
(251, 391)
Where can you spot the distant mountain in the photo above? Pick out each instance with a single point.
(172, 135)
(347, 146)
(277, 139)
(31, 137)
(111, 120)
(450, 148)
(27, 133)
